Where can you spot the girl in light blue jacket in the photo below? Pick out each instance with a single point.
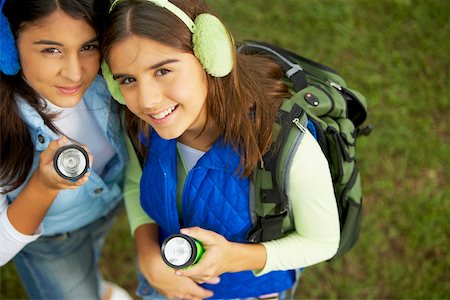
(53, 228)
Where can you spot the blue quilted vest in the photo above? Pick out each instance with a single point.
(214, 198)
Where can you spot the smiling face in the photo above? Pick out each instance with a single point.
(60, 58)
(161, 85)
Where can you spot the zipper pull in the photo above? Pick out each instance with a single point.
(296, 121)
(335, 85)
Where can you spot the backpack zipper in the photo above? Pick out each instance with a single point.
(294, 146)
(335, 85)
(289, 120)
(293, 149)
(300, 126)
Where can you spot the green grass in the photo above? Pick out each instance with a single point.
(397, 53)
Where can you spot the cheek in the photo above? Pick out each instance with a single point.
(92, 65)
(34, 68)
(132, 105)
(38, 75)
(192, 94)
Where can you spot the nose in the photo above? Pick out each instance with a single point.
(72, 68)
(150, 95)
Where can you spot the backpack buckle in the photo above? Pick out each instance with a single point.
(267, 228)
(364, 130)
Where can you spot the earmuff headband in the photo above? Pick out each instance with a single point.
(170, 7)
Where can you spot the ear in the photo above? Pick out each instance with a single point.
(9, 58)
(113, 86)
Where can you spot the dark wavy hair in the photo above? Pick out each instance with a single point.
(17, 149)
(242, 104)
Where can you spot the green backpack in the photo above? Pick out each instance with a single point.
(333, 113)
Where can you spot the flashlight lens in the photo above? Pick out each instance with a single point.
(71, 162)
(178, 251)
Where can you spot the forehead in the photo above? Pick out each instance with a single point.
(60, 27)
(137, 50)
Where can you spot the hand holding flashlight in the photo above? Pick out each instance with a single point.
(222, 256)
(218, 256)
(76, 171)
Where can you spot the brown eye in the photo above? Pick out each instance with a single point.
(51, 50)
(127, 80)
(89, 47)
(162, 72)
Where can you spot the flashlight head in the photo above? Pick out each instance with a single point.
(180, 251)
(71, 162)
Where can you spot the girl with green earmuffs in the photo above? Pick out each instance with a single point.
(202, 117)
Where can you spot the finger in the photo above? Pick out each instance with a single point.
(191, 288)
(214, 280)
(48, 154)
(62, 141)
(194, 291)
(91, 158)
(81, 181)
(192, 297)
(197, 273)
(67, 184)
(200, 292)
(200, 234)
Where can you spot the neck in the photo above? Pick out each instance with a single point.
(201, 141)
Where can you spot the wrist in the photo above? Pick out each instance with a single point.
(248, 257)
(147, 247)
(41, 185)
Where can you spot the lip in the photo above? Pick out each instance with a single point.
(69, 90)
(163, 120)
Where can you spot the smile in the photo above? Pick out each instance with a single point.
(164, 113)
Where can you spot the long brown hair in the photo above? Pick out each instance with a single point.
(17, 149)
(242, 104)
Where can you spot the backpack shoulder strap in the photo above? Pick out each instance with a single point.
(272, 211)
(293, 71)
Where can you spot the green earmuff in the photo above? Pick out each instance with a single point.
(113, 86)
(213, 44)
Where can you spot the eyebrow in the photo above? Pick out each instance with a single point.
(53, 43)
(155, 66)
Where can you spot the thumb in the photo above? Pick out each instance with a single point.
(49, 153)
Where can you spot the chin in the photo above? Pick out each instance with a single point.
(167, 135)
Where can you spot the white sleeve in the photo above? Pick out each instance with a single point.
(316, 219)
(11, 240)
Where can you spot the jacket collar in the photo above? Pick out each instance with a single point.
(221, 156)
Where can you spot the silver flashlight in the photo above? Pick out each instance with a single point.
(180, 251)
(71, 162)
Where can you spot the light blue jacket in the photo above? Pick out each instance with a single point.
(73, 209)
